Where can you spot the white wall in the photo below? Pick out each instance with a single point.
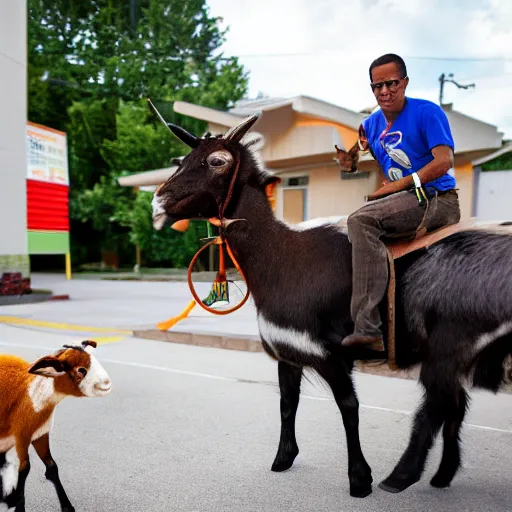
(494, 195)
(13, 115)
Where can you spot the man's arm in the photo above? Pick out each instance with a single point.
(382, 177)
(439, 166)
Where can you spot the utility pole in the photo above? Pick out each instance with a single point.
(443, 78)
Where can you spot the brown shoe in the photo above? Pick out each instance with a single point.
(372, 342)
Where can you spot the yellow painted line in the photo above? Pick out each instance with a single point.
(14, 320)
(103, 340)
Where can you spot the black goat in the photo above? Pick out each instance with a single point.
(453, 312)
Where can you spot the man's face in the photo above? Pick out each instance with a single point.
(389, 87)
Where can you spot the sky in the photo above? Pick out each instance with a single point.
(323, 48)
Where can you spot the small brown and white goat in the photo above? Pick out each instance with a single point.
(28, 397)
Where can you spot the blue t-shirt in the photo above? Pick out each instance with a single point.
(406, 147)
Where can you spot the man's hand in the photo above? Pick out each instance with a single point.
(442, 162)
(391, 187)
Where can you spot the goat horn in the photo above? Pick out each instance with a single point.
(237, 132)
(182, 134)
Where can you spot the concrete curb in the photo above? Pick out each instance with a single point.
(225, 341)
(31, 298)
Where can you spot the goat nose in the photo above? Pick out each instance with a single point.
(104, 385)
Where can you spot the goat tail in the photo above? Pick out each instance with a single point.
(492, 367)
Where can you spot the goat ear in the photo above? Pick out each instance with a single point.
(237, 132)
(354, 150)
(181, 225)
(254, 141)
(266, 179)
(272, 181)
(182, 134)
(89, 345)
(48, 366)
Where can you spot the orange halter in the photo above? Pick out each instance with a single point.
(221, 241)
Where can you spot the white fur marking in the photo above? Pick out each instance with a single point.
(334, 221)
(486, 339)
(43, 429)
(9, 473)
(301, 341)
(6, 443)
(156, 205)
(97, 381)
(40, 391)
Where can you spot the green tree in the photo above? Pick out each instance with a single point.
(91, 66)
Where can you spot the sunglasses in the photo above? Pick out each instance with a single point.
(390, 84)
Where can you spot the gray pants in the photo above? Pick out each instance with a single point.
(395, 216)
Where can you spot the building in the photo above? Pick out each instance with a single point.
(13, 168)
(34, 187)
(300, 135)
(493, 185)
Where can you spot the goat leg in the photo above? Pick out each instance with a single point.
(16, 487)
(359, 472)
(289, 385)
(42, 447)
(450, 461)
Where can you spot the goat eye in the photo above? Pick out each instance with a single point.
(82, 371)
(216, 161)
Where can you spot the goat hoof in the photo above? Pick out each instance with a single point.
(440, 482)
(396, 484)
(13, 502)
(20, 506)
(285, 461)
(68, 509)
(360, 491)
(279, 467)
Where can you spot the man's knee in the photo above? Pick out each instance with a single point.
(361, 218)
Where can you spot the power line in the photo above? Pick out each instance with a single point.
(465, 59)
(298, 54)
(486, 77)
(315, 54)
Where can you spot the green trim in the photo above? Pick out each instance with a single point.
(40, 242)
(15, 263)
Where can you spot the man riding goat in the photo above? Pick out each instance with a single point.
(412, 142)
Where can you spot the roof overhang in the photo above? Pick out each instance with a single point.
(366, 163)
(491, 156)
(304, 105)
(206, 114)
